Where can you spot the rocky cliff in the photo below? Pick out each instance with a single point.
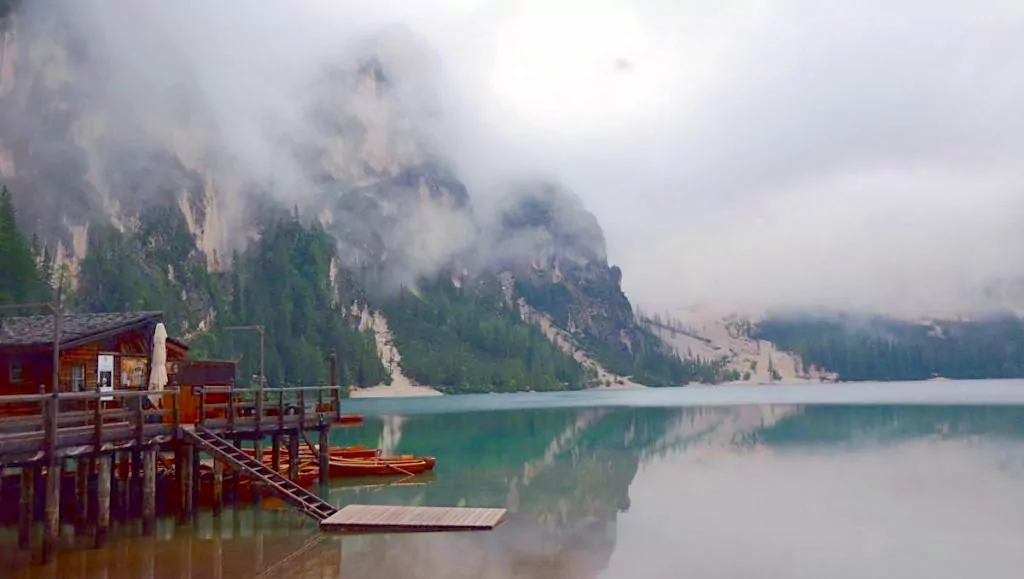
(152, 193)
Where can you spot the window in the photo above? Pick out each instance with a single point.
(15, 371)
(78, 378)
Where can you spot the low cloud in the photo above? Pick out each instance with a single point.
(745, 154)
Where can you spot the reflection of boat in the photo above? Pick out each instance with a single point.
(349, 419)
(380, 466)
(381, 482)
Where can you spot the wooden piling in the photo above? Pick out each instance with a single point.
(122, 464)
(83, 471)
(148, 491)
(28, 483)
(193, 472)
(103, 482)
(325, 454)
(275, 453)
(137, 476)
(218, 488)
(183, 470)
(257, 452)
(51, 518)
(293, 455)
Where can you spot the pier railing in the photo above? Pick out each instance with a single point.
(268, 409)
(85, 422)
(93, 422)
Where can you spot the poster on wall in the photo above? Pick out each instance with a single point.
(105, 374)
(133, 372)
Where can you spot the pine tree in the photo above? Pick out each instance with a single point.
(20, 280)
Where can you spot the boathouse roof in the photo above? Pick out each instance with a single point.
(75, 329)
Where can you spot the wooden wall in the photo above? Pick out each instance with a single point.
(37, 364)
(35, 370)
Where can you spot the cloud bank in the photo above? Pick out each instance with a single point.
(744, 154)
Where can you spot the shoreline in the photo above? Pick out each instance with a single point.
(400, 390)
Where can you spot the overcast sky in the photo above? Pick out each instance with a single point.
(746, 153)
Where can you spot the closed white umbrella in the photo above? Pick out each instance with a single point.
(158, 373)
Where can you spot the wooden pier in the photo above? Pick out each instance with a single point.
(76, 449)
(108, 448)
(396, 519)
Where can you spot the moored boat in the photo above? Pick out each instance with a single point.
(379, 466)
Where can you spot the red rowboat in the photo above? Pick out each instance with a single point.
(380, 466)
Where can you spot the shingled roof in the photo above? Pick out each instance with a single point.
(29, 331)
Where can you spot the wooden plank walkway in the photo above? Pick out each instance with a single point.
(391, 519)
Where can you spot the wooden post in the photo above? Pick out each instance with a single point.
(201, 419)
(218, 488)
(280, 409)
(259, 409)
(137, 474)
(231, 408)
(257, 448)
(336, 389)
(293, 454)
(103, 478)
(123, 485)
(148, 491)
(28, 487)
(193, 472)
(275, 453)
(320, 407)
(325, 454)
(83, 471)
(183, 471)
(175, 409)
(51, 520)
(336, 401)
(97, 420)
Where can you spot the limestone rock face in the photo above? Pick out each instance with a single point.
(125, 134)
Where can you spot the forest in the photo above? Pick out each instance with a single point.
(878, 348)
(461, 342)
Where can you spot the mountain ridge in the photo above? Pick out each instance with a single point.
(360, 212)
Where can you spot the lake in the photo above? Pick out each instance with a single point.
(852, 480)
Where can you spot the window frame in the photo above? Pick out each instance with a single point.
(15, 365)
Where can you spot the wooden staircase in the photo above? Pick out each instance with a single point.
(291, 493)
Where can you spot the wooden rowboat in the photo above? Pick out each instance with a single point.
(380, 466)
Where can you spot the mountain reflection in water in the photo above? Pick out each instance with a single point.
(621, 492)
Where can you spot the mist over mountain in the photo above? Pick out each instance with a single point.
(523, 162)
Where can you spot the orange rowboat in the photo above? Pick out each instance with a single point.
(380, 466)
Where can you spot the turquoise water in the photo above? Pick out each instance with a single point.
(853, 480)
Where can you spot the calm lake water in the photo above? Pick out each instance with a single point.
(838, 481)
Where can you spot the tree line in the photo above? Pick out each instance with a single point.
(887, 349)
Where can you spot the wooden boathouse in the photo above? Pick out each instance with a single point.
(77, 415)
(85, 439)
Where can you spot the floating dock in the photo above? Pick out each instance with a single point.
(399, 519)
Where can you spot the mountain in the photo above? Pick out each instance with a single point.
(334, 220)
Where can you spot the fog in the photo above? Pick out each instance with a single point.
(742, 155)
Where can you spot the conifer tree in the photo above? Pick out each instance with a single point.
(20, 280)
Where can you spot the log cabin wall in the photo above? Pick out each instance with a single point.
(26, 367)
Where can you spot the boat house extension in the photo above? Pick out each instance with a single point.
(109, 350)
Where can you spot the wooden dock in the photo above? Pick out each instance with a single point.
(400, 519)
